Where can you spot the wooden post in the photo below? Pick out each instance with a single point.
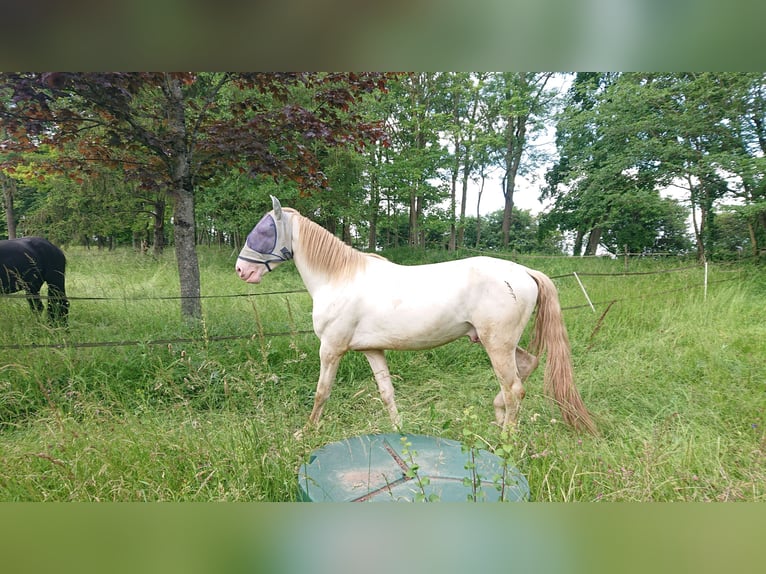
(626, 257)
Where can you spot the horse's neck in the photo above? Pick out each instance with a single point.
(322, 259)
(312, 278)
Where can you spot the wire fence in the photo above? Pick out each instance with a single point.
(626, 273)
(262, 334)
(155, 298)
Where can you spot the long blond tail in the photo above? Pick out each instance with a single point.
(550, 335)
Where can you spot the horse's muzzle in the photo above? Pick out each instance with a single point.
(250, 273)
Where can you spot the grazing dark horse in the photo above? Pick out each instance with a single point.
(27, 263)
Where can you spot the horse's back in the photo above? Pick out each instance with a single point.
(467, 281)
(477, 277)
(422, 306)
(28, 260)
(500, 289)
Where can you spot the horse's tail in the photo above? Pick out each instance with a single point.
(550, 335)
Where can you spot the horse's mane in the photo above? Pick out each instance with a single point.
(325, 253)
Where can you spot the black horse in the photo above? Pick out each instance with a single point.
(27, 263)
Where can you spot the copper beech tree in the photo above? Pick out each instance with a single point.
(172, 130)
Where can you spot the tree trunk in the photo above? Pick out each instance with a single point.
(577, 248)
(517, 129)
(186, 254)
(372, 241)
(463, 197)
(698, 230)
(453, 208)
(753, 238)
(183, 205)
(9, 191)
(593, 241)
(507, 213)
(455, 171)
(413, 237)
(159, 227)
(478, 211)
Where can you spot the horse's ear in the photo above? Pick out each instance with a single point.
(277, 207)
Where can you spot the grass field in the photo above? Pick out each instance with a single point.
(675, 380)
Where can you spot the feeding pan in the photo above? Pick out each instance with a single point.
(376, 468)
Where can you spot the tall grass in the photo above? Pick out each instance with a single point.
(674, 380)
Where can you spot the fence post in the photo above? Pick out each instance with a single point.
(626, 257)
(705, 296)
(592, 308)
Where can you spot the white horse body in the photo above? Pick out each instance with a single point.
(389, 306)
(365, 303)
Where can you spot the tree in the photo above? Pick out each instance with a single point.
(413, 112)
(644, 222)
(526, 236)
(582, 179)
(464, 115)
(182, 128)
(750, 161)
(644, 132)
(518, 102)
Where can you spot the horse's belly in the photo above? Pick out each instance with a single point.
(406, 334)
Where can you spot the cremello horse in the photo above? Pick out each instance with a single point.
(363, 302)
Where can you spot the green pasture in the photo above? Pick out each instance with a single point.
(130, 403)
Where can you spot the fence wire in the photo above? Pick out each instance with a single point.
(260, 335)
(154, 297)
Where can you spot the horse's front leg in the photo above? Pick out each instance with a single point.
(35, 303)
(329, 358)
(379, 366)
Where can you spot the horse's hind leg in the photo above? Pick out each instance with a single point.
(526, 363)
(379, 366)
(58, 304)
(508, 401)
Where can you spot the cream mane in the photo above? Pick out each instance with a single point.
(324, 252)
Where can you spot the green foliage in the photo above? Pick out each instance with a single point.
(621, 138)
(526, 236)
(635, 134)
(644, 223)
(470, 445)
(422, 482)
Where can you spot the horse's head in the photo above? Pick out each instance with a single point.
(267, 245)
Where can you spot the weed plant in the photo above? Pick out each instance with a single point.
(130, 403)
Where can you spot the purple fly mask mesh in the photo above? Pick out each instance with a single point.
(263, 237)
(268, 242)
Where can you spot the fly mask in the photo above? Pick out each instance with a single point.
(270, 241)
